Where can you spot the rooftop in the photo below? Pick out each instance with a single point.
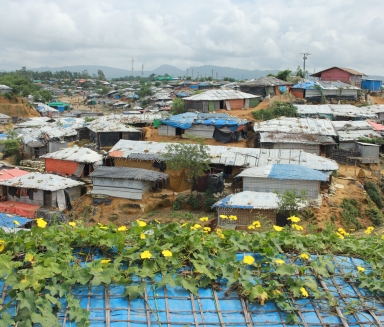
(109, 124)
(75, 154)
(266, 81)
(11, 173)
(349, 70)
(249, 200)
(284, 172)
(218, 95)
(41, 181)
(276, 137)
(296, 125)
(227, 156)
(128, 173)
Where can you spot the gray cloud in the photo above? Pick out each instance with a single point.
(250, 34)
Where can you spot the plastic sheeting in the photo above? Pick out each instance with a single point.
(186, 120)
(175, 306)
(296, 172)
(19, 208)
(8, 221)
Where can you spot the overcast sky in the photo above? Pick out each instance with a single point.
(250, 34)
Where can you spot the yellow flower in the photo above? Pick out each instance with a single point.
(382, 236)
(122, 228)
(185, 224)
(2, 245)
(369, 230)
(146, 255)
(142, 236)
(340, 235)
(219, 231)
(294, 219)
(232, 217)
(223, 216)
(303, 292)
(251, 227)
(103, 227)
(297, 227)
(167, 253)
(360, 269)
(256, 224)
(28, 257)
(277, 228)
(105, 261)
(16, 222)
(41, 222)
(342, 232)
(279, 262)
(141, 223)
(72, 223)
(207, 230)
(304, 256)
(204, 219)
(248, 259)
(222, 236)
(158, 222)
(195, 227)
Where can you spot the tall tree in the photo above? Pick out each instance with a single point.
(100, 75)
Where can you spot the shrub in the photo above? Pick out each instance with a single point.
(276, 109)
(195, 201)
(375, 215)
(350, 213)
(209, 201)
(179, 203)
(374, 194)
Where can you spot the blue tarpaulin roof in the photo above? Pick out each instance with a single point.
(181, 94)
(283, 171)
(8, 220)
(186, 120)
(307, 85)
(215, 307)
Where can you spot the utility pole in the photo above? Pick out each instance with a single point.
(212, 73)
(217, 75)
(132, 66)
(192, 73)
(142, 71)
(305, 57)
(187, 72)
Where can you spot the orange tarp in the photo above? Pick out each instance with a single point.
(19, 208)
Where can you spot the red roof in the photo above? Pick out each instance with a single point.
(348, 70)
(376, 127)
(10, 173)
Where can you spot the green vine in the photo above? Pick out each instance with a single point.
(41, 265)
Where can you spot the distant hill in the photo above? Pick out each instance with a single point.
(203, 71)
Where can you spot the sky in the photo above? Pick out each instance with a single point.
(248, 34)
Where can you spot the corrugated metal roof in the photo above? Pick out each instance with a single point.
(343, 125)
(11, 173)
(356, 134)
(349, 70)
(376, 108)
(249, 200)
(41, 181)
(4, 116)
(110, 123)
(348, 110)
(296, 125)
(75, 154)
(218, 95)
(273, 137)
(228, 156)
(266, 81)
(307, 109)
(284, 172)
(128, 173)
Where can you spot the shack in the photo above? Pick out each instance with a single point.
(127, 183)
(265, 86)
(74, 161)
(248, 207)
(314, 111)
(283, 177)
(4, 119)
(212, 100)
(351, 112)
(106, 131)
(308, 134)
(346, 75)
(47, 190)
(60, 106)
(222, 127)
